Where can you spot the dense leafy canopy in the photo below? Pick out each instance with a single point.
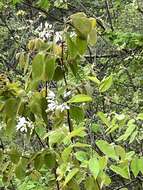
(71, 111)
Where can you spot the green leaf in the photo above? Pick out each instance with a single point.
(123, 171)
(94, 79)
(79, 132)
(129, 155)
(103, 162)
(82, 24)
(81, 45)
(1, 156)
(73, 185)
(120, 152)
(35, 104)
(38, 161)
(50, 160)
(10, 127)
(56, 136)
(81, 156)
(16, 1)
(135, 166)
(10, 107)
(133, 136)
(80, 98)
(81, 145)
(104, 119)
(107, 149)
(106, 84)
(20, 171)
(49, 68)
(70, 175)
(58, 74)
(140, 164)
(38, 66)
(94, 167)
(128, 132)
(77, 114)
(95, 127)
(140, 116)
(105, 179)
(44, 4)
(66, 153)
(91, 184)
(72, 48)
(14, 155)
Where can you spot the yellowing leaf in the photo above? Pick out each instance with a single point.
(81, 45)
(82, 24)
(92, 37)
(93, 22)
(38, 66)
(49, 68)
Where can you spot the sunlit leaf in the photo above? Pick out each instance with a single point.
(81, 156)
(123, 171)
(80, 98)
(106, 83)
(107, 149)
(135, 166)
(94, 167)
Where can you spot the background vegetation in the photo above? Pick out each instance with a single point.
(71, 87)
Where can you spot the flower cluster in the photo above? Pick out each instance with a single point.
(23, 125)
(46, 32)
(53, 103)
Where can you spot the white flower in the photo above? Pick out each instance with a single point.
(42, 34)
(22, 121)
(23, 125)
(39, 27)
(67, 94)
(62, 107)
(48, 26)
(52, 106)
(53, 103)
(51, 95)
(58, 36)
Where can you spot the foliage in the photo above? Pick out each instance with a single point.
(70, 119)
